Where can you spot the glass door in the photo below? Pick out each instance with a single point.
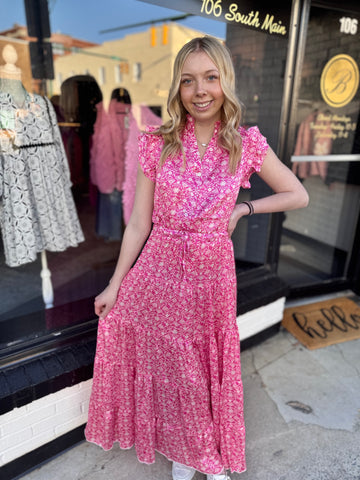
(318, 242)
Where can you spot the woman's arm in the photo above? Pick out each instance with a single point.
(135, 235)
(289, 193)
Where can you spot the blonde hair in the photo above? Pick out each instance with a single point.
(231, 110)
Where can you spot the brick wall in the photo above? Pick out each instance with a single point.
(24, 429)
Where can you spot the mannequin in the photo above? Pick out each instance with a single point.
(10, 82)
(10, 76)
(38, 212)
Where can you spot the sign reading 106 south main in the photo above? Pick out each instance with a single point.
(272, 18)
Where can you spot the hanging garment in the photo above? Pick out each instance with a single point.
(107, 157)
(38, 211)
(102, 153)
(109, 217)
(107, 160)
(167, 374)
(313, 138)
(120, 117)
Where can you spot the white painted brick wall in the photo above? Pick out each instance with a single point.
(257, 320)
(24, 429)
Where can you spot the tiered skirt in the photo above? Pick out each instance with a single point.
(167, 374)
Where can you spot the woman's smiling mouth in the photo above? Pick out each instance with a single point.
(202, 105)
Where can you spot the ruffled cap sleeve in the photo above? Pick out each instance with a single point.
(255, 147)
(149, 152)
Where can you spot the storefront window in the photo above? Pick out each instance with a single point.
(68, 150)
(259, 61)
(70, 117)
(317, 242)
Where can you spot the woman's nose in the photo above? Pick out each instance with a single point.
(200, 88)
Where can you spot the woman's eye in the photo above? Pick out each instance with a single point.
(186, 81)
(212, 77)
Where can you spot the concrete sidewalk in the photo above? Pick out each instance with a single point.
(302, 411)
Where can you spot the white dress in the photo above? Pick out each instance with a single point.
(37, 210)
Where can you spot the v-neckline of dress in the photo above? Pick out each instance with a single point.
(191, 131)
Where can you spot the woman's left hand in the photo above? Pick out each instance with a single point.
(238, 212)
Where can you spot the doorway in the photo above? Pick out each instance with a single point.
(318, 243)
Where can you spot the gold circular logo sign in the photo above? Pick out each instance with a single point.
(339, 80)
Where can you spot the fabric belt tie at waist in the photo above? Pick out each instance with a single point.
(186, 236)
(189, 234)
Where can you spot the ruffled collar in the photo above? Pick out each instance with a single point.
(190, 126)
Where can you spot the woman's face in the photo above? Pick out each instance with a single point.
(200, 90)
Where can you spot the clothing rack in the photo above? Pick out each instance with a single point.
(69, 124)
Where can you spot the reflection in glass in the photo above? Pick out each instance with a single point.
(102, 96)
(317, 242)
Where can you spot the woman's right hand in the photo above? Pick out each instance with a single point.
(135, 235)
(105, 301)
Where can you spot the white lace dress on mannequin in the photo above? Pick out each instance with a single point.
(38, 211)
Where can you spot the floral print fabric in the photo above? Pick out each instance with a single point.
(167, 374)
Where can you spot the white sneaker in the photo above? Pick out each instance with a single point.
(181, 472)
(220, 476)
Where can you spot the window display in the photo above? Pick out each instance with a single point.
(82, 125)
(69, 155)
(38, 211)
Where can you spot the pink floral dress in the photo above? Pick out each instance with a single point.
(167, 374)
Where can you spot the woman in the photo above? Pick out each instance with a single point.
(167, 371)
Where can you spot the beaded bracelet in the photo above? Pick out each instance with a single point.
(251, 208)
